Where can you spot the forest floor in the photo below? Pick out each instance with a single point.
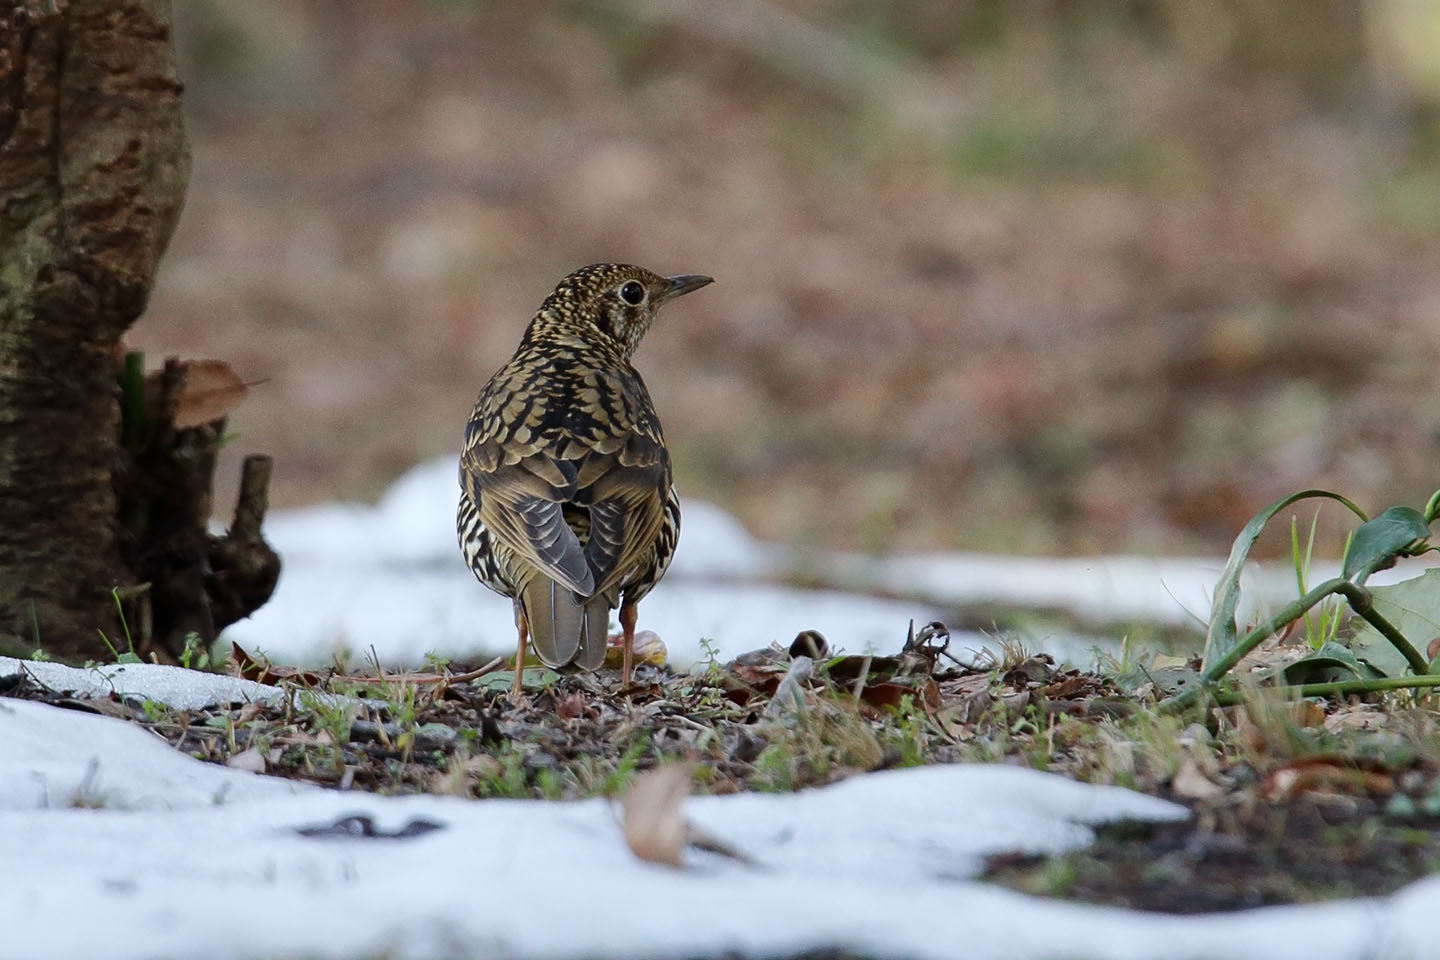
(1291, 802)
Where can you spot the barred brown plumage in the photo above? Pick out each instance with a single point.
(566, 502)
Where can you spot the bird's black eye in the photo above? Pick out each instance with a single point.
(632, 293)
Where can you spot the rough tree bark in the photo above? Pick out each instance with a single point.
(93, 169)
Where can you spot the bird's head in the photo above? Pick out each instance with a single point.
(616, 300)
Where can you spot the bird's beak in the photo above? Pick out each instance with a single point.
(681, 285)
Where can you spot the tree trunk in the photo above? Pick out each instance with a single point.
(93, 168)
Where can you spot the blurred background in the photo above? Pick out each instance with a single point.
(1037, 276)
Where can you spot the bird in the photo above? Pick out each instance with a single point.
(567, 500)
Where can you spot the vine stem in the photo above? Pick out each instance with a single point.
(1229, 698)
(1360, 601)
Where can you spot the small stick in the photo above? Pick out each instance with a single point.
(253, 499)
(423, 678)
(865, 670)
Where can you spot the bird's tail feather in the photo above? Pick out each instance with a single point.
(565, 628)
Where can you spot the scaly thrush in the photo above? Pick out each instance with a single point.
(566, 502)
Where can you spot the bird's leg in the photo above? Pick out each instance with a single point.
(522, 630)
(627, 627)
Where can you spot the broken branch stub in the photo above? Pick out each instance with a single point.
(200, 583)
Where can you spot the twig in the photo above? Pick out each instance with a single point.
(253, 499)
(1360, 601)
(424, 678)
(865, 673)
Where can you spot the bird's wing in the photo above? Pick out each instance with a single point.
(521, 487)
(625, 489)
(625, 520)
(610, 458)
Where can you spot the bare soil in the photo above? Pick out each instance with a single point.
(1306, 849)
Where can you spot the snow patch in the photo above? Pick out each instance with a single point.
(172, 686)
(877, 865)
(53, 759)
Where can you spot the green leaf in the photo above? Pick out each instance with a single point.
(1413, 606)
(1332, 663)
(1221, 636)
(1377, 543)
(1432, 507)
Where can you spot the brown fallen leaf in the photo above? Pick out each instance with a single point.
(252, 760)
(1015, 703)
(212, 390)
(1326, 774)
(654, 819)
(572, 706)
(1070, 687)
(649, 648)
(250, 668)
(848, 670)
(1357, 716)
(1190, 784)
(105, 707)
(884, 694)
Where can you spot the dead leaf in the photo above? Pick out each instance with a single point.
(1070, 687)
(252, 760)
(568, 708)
(954, 721)
(1190, 784)
(654, 819)
(649, 648)
(847, 670)
(262, 671)
(885, 694)
(740, 696)
(745, 681)
(1036, 670)
(107, 708)
(1327, 775)
(928, 693)
(1356, 716)
(212, 390)
(970, 708)
(1309, 713)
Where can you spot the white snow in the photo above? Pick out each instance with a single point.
(1173, 591)
(170, 857)
(56, 759)
(181, 689)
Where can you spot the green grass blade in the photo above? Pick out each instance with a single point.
(1221, 636)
